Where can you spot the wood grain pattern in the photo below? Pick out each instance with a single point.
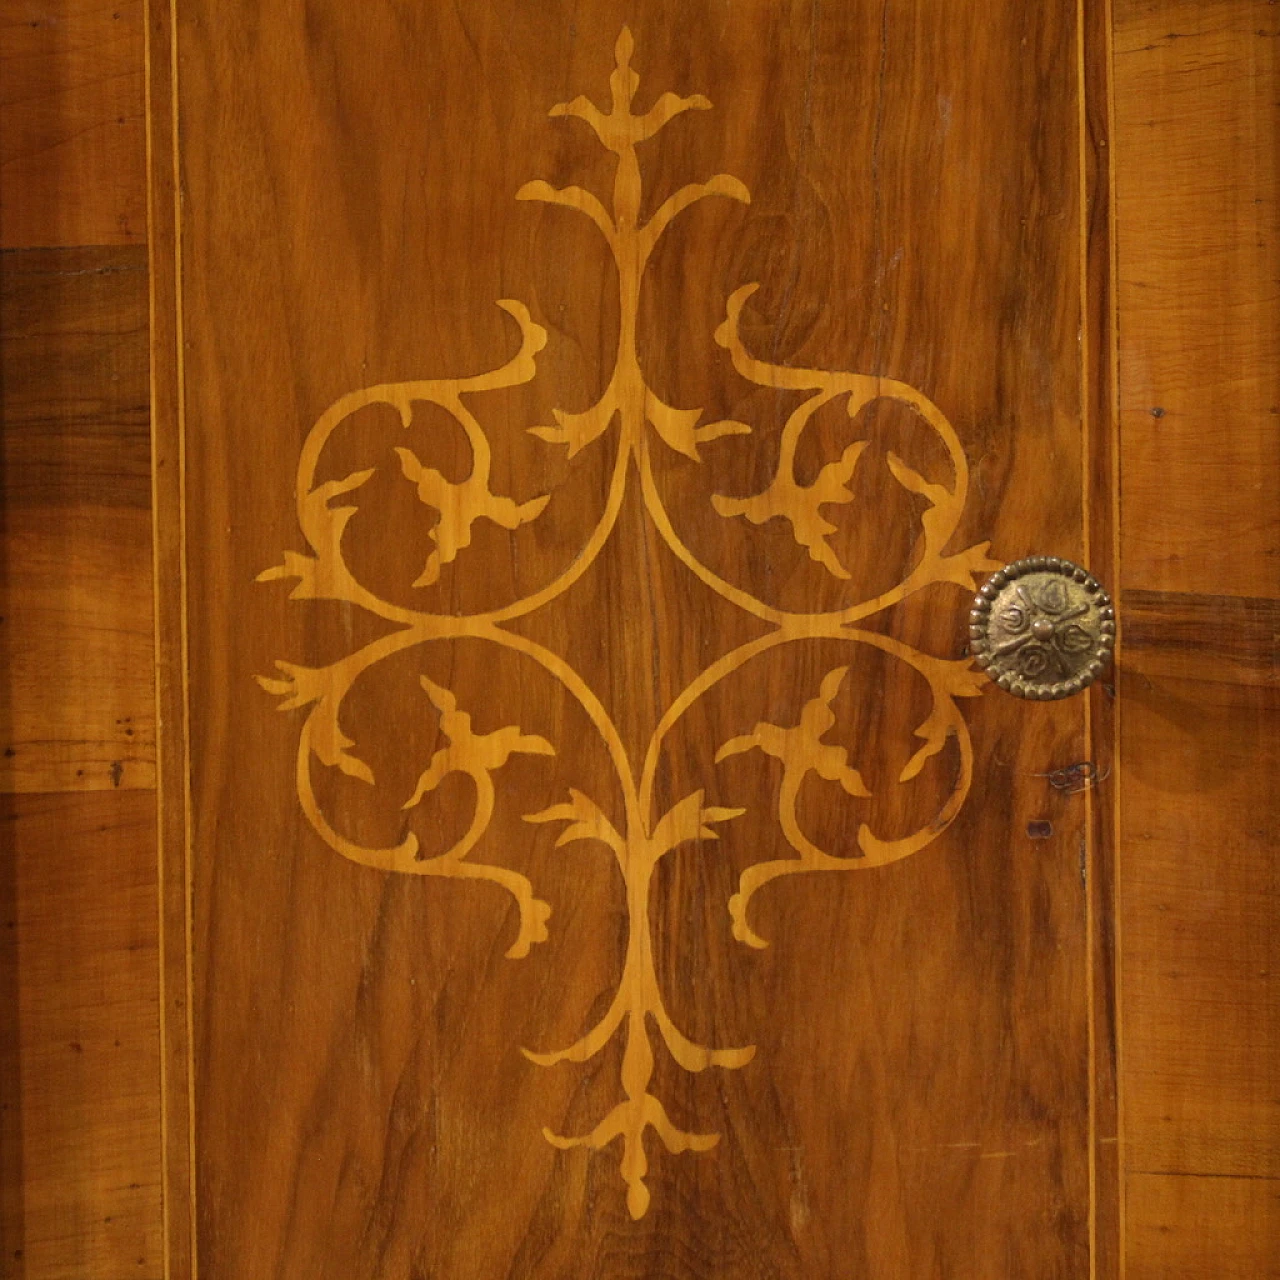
(1189, 1228)
(80, 1135)
(1102, 555)
(80, 1114)
(1178, 1224)
(1202, 1013)
(1230, 640)
(1197, 186)
(408, 1114)
(170, 603)
(75, 634)
(72, 167)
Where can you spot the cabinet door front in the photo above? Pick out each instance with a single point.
(594, 847)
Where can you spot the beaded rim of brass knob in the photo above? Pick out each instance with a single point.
(1042, 628)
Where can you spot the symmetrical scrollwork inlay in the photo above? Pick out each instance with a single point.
(631, 408)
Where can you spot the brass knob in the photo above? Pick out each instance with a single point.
(1042, 628)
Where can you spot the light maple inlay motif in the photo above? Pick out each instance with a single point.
(642, 420)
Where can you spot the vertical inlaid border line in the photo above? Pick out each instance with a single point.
(1100, 497)
(1089, 852)
(173, 800)
(1116, 571)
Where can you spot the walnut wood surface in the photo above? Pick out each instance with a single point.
(1194, 158)
(79, 1015)
(1196, 132)
(72, 130)
(80, 1112)
(1103, 551)
(1197, 1228)
(920, 1091)
(76, 634)
(1198, 278)
(1200, 892)
(79, 1123)
(1228, 640)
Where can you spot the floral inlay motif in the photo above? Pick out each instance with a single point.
(644, 423)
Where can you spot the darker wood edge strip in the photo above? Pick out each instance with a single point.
(1103, 482)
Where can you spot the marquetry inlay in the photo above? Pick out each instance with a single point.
(480, 739)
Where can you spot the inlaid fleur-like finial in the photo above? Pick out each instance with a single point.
(620, 129)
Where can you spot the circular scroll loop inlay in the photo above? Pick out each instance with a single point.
(1042, 628)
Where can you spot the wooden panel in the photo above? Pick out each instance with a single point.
(921, 1032)
(79, 1047)
(1197, 132)
(72, 167)
(1201, 831)
(75, 632)
(1200, 1228)
(1198, 272)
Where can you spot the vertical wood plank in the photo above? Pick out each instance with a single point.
(1098, 378)
(79, 1069)
(1198, 277)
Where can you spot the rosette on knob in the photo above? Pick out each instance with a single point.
(1042, 628)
